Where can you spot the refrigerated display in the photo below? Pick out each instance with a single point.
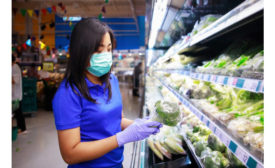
(215, 77)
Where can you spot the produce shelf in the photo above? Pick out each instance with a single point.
(235, 145)
(239, 16)
(192, 151)
(253, 85)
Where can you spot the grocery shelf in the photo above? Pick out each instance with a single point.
(253, 85)
(192, 151)
(240, 151)
(236, 18)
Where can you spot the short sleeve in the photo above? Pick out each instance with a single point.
(66, 108)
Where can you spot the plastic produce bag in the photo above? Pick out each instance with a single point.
(214, 159)
(167, 113)
(199, 147)
(154, 149)
(215, 144)
(174, 145)
(203, 23)
(164, 151)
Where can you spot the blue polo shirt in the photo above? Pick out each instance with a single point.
(96, 121)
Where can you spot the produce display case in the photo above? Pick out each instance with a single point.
(215, 74)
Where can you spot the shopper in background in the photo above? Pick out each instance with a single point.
(17, 95)
(32, 71)
(137, 72)
(88, 107)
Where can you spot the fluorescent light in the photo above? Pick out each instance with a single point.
(160, 8)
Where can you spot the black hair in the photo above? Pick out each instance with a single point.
(85, 40)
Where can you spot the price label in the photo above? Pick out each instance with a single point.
(241, 155)
(214, 78)
(220, 79)
(231, 81)
(205, 120)
(235, 80)
(212, 127)
(251, 85)
(240, 83)
(205, 77)
(225, 81)
(218, 134)
(251, 162)
(209, 77)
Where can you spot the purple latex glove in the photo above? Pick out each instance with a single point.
(140, 129)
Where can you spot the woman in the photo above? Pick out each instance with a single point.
(88, 107)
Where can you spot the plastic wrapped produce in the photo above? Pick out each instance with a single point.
(204, 22)
(167, 113)
(199, 147)
(214, 159)
(241, 126)
(215, 144)
(165, 152)
(255, 139)
(174, 145)
(154, 149)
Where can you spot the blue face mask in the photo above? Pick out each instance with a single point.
(100, 63)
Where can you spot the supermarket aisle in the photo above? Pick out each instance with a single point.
(131, 109)
(39, 148)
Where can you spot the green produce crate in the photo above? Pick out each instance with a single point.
(29, 102)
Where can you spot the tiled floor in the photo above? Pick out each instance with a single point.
(39, 148)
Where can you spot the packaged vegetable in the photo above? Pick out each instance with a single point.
(215, 144)
(162, 150)
(167, 113)
(172, 144)
(214, 159)
(199, 147)
(154, 149)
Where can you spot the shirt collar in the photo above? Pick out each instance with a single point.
(91, 84)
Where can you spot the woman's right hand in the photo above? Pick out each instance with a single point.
(140, 129)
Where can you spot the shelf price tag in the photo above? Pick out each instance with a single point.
(232, 81)
(225, 81)
(242, 155)
(201, 76)
(220, 79)
(218, 134)
(240, 83)
(205, 77)
(212, 127)
(251, 85)
(214, 78)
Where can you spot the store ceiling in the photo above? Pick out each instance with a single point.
(88, 8)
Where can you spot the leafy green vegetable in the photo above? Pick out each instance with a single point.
(215, 144)
(199, 147)
(168, 113)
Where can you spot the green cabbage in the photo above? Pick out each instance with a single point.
(168, 113)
